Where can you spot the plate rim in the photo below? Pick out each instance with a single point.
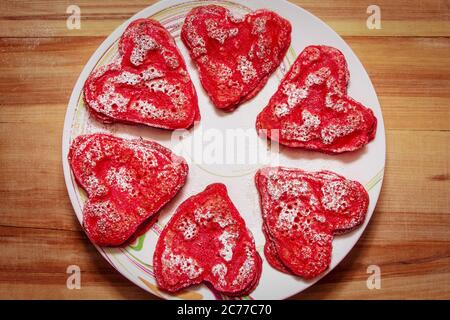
(110, 40)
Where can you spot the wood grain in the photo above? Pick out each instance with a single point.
(42, 18)
(408, 61)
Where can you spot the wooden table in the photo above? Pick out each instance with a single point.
(408, 61)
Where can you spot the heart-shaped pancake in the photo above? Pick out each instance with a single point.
(311, 108)
(235, 56)
(126, 181)
(146, 84)
(207, 240)
(302, 211)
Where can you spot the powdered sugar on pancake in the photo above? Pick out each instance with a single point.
(234, 55)
(147, 83)
(208, 229)
(311, 108)
(117, 174)
(302, 211)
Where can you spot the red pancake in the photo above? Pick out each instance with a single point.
(207, 240)
(311, 108)
(234, 56)
(271, 254)
(146, 84)
(127, 182)
(302, 211)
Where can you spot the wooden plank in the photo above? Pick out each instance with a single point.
(408, 237)
(24, 276)
(347, 18)
(417, 175)
(425, 287)
(412, 83)
(394, 252)
(428, 261)
(42, 70)
(405, 237)
(26, 144)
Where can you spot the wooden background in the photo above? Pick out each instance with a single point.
(408, 61)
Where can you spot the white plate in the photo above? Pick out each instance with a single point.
(366, 165)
